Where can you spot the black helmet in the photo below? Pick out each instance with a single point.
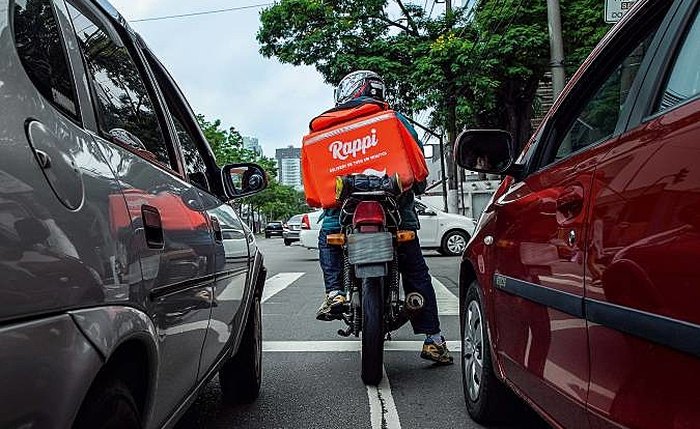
(361, 83)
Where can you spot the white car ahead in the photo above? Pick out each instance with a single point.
(310, 226)
(445, 232)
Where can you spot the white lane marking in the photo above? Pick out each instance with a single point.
(382, 410)
(346, 346)
(447, 302)
(278, 283)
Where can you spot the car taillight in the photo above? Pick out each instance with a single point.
(305, 222)
(368, 212)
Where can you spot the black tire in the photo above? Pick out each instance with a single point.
(240, 377)
(287, 242)
(445, 247)
(372, 331)
(267, 235)
(109, 404)
(494, 401)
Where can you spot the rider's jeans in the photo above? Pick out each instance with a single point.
(414, 276)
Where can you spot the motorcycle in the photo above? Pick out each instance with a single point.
(370, 236)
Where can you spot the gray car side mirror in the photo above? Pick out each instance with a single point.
(243, 179)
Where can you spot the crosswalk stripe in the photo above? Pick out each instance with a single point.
(278, 283)
(345, 346)
(447, 302)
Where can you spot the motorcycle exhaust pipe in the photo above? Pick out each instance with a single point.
(414, 302)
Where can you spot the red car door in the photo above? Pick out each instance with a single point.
(538, 303)
(644, 247)
(542, 339)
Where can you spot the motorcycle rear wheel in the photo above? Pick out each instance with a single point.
(372, 331)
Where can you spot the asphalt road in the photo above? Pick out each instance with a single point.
(308, 382)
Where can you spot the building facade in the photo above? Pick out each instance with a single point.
(289, 166)
(252, 144)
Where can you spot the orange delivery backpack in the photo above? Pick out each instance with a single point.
(368, 139)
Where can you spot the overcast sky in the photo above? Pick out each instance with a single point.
(215, 60)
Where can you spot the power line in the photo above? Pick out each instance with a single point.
(206, 12)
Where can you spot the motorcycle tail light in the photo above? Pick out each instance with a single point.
(368, 213)
(369, 228)
(305, 224)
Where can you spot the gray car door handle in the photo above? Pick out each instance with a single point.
(152, 227)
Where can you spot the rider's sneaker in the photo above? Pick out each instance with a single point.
(436, 352)
(332, 306)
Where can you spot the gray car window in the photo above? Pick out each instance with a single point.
(41, 50)
(684, 81)
(122, 98)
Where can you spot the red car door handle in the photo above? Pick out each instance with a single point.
(570, 203)
(152, 227)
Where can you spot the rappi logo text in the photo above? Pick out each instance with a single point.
(343, 150)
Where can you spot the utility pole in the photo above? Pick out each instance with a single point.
(556, 46)
(452, 196)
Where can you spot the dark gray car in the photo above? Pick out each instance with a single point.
(292, 229)
(126, 280)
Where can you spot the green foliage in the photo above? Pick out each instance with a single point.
(477, 68)
(227, 145)
(583, 28)
(340, 36)
(277, 201)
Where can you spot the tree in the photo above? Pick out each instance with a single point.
(279, 201)
(474, 67)
(513, 54)
(340, 36)
(227, 145)
(510, 57)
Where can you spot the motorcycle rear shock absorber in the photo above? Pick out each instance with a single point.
(347, 277)
(356, 305)
(349, 315)
(394, 301)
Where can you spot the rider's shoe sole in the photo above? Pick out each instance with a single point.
(437, 362)
(329, 317)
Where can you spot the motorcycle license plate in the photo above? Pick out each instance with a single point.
(370, 248)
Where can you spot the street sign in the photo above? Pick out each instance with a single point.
(616, 9)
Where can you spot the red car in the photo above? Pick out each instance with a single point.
(580, 290)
